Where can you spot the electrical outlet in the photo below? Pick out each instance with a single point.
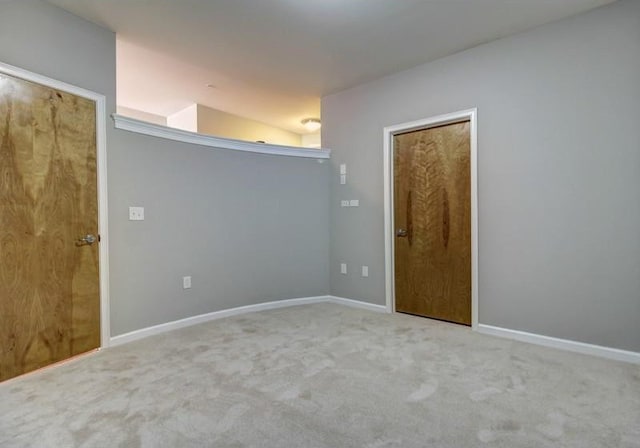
(343, 179)
(354, 203)
(136, 213)
(343, 268)
(186, 282)
(365, 271)
(344, 203)
(343, 168)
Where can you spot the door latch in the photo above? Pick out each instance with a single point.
(401, 233)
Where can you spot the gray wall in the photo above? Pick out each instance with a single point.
(249, 228)
(559, 173)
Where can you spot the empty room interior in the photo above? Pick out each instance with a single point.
(319, 223)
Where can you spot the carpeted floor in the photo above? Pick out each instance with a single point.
(325, 375)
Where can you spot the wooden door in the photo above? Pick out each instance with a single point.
(432, 218)
(49, 286)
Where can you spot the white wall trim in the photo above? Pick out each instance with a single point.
(389, 236)
(193, 320)
(155, 130)
(201, 318)
(357, 304)
(562, 344)
(101, 148)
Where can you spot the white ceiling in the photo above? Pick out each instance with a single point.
(272, 60)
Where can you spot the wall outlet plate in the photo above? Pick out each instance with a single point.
(186, 282)
(354, 203)
(343, 268)
(136, 213)
(344, 203)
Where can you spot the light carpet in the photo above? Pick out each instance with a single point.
(325, 375)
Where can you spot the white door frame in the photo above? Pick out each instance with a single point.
(389, 235)
(101, 148)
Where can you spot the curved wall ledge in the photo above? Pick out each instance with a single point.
(155, 130)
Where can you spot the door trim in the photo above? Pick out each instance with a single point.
(101, 160)
(389, 239)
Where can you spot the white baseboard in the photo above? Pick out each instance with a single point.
(562, 344)
(522, 336)
(357, 304)
(186, 322)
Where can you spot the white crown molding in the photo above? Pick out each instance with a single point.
(156, 130)
(562, 344)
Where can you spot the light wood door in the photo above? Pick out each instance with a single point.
(49, 286)
(432, 218)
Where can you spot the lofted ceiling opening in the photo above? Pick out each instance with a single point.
(271, 61)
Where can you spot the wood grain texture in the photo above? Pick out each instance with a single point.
(432, 201)
(49, 286)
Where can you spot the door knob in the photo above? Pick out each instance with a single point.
(87, 239)
(401, 233)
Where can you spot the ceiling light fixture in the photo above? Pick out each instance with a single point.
(311, 124)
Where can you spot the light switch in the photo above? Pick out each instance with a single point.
(354, 203)
(186, 282)
(365, 271)
(343, 168)
(136, 213)
(343, 268)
